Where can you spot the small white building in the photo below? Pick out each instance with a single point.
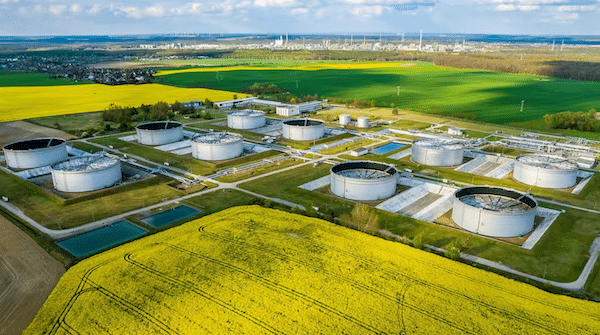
(454, 131)
(228, 104)
(193, 104)
(291, 110)
(359, 152)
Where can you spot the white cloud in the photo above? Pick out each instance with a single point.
(192, 7)
(566, 16)
(95, 9)
(270, 3)
(57, 9)
(585, 8)
(75, 8)
(368, 11)
(299, 11)
(505, 8)
(139, 13)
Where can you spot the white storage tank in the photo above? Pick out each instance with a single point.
(344, 119)
(362, 122)
(545, 171)
(494, 211)
(217, 146)
(86, 173)
(34, 153)
(303, 129)
(246, 119)
(437, 152)
(363, 180)
(159, 133)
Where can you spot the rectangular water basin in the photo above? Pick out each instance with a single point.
(100, 239)
(169, 216)
(384, 149)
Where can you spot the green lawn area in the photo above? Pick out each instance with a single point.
(409, 124)
(219, 200)
(347, 146)
(500, 149)
(52, 213)
(245, 174)
(8, 79)
(475, 133)
(472, 94)
(559, 255)
(84, 146)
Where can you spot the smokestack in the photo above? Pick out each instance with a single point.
(421, 40)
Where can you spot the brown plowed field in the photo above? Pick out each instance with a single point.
(27, 276)
(21, 130)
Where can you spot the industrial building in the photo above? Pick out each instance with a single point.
(362, 122)
(291, 110)
(217, 146)
(437, 152)
(494, 211)
(86, 173)
(363, 180)
(159, 133)
(246, 119)
(303, 129)
(344, 119)
(34, 153)
(545, 171)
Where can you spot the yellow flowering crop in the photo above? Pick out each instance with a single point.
(252, 270)
(315, 67)
(17, 103)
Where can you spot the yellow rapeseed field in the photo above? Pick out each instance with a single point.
(17, 103)
(250, 270)
(315, 67)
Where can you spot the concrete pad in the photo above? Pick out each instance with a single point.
(549, 216)
(182, 151)
(403, 199)
(128, 138)
(582, 183)
(174, 146)
(76, 152)
(401, 154)
(435, 209)
(32, 173)
(315, 184)
(502, 171)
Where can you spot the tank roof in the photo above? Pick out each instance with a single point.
(215, 138)
(547, 162)
(34, 143)
(496, 199)
(363, 170)
(160, 125)
(247, 112)
(304, 122)
(86, 163)
(438, 143)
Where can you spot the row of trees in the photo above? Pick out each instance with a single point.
(582, 121)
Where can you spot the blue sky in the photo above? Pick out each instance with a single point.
(94, 17)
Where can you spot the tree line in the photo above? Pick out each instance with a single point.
(582, 121)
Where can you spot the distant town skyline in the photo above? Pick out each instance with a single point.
(90, 17)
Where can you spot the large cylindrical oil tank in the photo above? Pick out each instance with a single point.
(437, 152)
(246, 119)
(363, 180)
(344, 119)
(34, 153)
(362, 122)
(303, 129)
(86, 173)
(545, 171)
(217, 146)
(159, 133)
(494, 211)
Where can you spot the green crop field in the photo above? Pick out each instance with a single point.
(8, 79)
(473, 94)
(260, 271)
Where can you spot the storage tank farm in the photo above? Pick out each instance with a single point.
(494, 211)
(159, 133)
(86, 173)
(246, 119)
(362, 122)
(35, 153)
(545, 171)
(363, 180)
(344, 119)
(217, 146)
(303, 129)
(437, 152)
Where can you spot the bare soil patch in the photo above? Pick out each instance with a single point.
(27, 276)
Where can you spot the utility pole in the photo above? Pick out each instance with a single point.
(398, 93)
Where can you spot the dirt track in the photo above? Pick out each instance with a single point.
(21, 130)
(27, 276)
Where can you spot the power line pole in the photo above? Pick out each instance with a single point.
(398, 93)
